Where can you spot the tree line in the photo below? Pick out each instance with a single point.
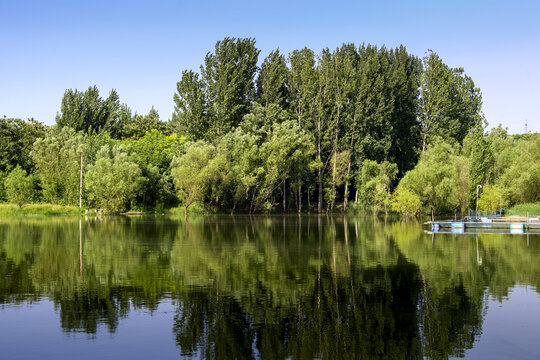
(301, 132)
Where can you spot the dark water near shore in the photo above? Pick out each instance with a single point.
(264, 287)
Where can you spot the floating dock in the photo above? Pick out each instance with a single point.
(515, 224)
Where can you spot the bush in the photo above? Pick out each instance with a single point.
(524, 209)
(491, 198)
(113, 180)
(19, 187)
(406, 202)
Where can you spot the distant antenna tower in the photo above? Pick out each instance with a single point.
(526, 127)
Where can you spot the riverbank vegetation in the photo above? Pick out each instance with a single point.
(38, 209)
(296, 132)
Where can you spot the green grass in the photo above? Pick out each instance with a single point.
(523, 209)
(38, 209)
(179, 210)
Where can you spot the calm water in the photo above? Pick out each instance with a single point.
(264, 287)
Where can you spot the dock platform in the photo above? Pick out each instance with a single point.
(515, 224)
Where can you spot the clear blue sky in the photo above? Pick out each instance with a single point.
(140, 48)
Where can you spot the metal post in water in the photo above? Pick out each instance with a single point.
(477, 187)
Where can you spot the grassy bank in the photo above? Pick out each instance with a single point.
(38, 209)
(523, 209)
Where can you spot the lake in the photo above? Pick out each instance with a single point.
(269, 287)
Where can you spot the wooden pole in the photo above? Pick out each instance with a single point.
(80, 181)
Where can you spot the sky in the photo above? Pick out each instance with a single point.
(140, 48)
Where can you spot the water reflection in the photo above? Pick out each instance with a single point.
(270, 287)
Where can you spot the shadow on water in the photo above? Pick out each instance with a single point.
(269, 287)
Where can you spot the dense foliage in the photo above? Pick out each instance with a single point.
(303, 131)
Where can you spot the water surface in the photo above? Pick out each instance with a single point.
(263, 287)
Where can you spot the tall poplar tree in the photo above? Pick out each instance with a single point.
(272, 83)
(229, 75)
(87, 111)
(190, 115)
(303, 87)
(405, 83)
(450, 104)
(374, 105)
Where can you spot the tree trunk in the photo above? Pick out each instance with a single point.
(251, 205)
(80, 182)
(319, 172)
(284, 194)
(185, 212)
(334, 178)
(299, 198)
(346, 196)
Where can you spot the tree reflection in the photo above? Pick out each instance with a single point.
(274, 287)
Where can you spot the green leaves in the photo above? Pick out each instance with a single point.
(374, 184)
(229, 75)
(113, 180)
(433, 180)
(57, 160)
(189, 172)
(190, 115)
(19, 187)
(16, 140)
(450, 104)
(87, 111)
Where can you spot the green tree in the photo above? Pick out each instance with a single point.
(287, 148)
(521, 180)
(383, 190)
(86, 111)
(375, 184)
(189, 172)
(433, 180)
(240, 150)
(229, 75)
(272, 82)
(404, 78)
(491, 198)
(406, 202)
(463, 181)
(154, 153)
(16, 140)
(479, 152)
(57, 161)
(449, 101)
(302, 86)
(190, 117)
(140, 125)
(18, 187)
(305, 104)
(374, 105)
(366, 182)
(113, 180)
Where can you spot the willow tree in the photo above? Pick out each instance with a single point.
(113, 181)
(189, 173)
(57, 161)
